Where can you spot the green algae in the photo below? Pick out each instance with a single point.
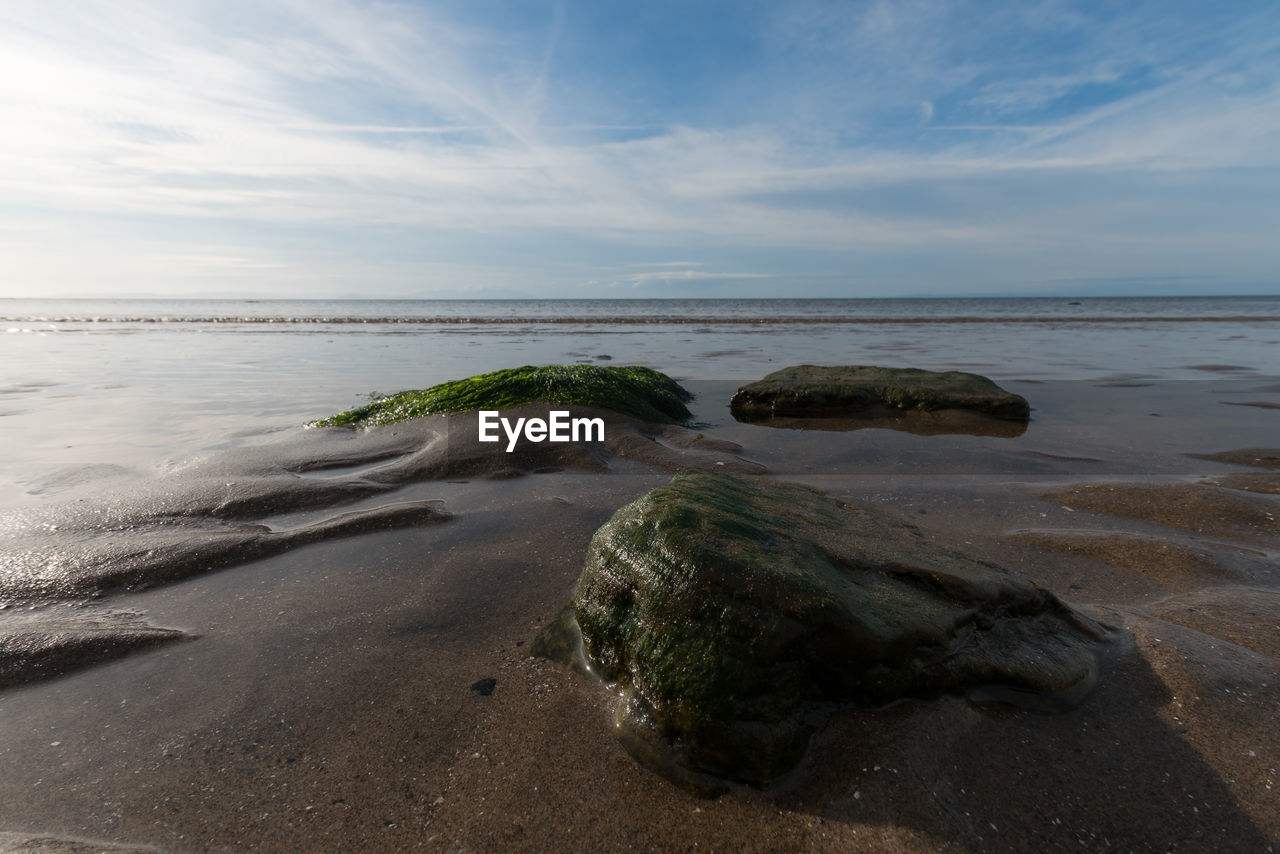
(561, 641)
(735, 613)
(636, 391)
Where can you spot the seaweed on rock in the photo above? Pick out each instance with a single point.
(636, 391)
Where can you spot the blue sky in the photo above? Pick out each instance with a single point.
(322, 148)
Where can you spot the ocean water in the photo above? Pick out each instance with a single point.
(615, 312)
(141, 383)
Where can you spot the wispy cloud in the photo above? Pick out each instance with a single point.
(881, 136)
(1010, 95)
(689, 276)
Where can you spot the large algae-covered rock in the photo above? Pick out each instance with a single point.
(862, 390)
(738, 610)
(631, 390)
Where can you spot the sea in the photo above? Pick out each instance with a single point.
(139, 382)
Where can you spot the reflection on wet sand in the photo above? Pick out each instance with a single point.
(231, 509)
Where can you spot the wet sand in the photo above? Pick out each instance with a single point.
(324, 698)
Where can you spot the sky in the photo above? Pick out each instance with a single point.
(521, 148)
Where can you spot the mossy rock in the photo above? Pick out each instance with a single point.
(853, 390)
(737, 612)
(640, 392)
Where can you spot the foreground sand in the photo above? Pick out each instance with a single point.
(326, 702)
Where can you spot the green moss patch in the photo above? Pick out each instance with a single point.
(739, 611)
(630, 390)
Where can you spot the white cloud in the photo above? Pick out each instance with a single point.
(690, 276)
(133, 113)
(1029, 93)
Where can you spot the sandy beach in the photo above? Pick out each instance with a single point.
(333, 696)
(507, 426)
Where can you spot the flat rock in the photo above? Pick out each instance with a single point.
(812, 391)
(736, 612)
